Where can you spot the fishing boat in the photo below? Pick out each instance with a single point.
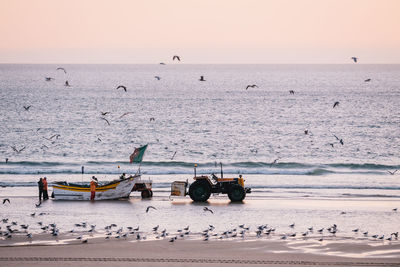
(117, 189)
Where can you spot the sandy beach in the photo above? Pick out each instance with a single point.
(200, 253)
(65, 249)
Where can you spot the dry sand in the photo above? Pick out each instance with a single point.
(100, 252)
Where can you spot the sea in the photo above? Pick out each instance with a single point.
(305, 159)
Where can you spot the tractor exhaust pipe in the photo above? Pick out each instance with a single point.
(222, 173)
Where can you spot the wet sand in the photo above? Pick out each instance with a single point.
(123, 252)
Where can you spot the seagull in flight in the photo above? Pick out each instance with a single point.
(27, 107)
(66, 83)
(104, 113)
(126, 113)
(162, 63)
(62, 70)
(367, 80)
(17, 150)
(207, 209)
(251, 86)
(202, 79)
(106, 120)
(48, 79)
(336, 104)
(6, 200)
(274, 162)
(157, 77)
(291, 92)
(176, 57)
(173, 155)
(354, 59)
(393, 172)
(339, 139)
(150, 207)
(122, 86)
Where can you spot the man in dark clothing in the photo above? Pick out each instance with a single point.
(40, 184)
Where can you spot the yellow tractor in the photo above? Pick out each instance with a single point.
(201, 189)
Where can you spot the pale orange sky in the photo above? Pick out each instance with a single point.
(203, 31)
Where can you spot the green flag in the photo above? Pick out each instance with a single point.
(137, 155)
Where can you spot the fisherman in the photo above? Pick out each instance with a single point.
(40, 185)
(93, 185)
(45, 194)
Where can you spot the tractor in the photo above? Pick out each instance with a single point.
(201, 189)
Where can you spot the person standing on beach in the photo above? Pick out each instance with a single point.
(40, 185)
(45, 194)
(93, 185)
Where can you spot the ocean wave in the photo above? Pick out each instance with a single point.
(180, 167)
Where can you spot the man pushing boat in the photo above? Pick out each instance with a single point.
(93, 185)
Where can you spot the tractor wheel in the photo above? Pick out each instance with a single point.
(199, 191)
(236, 193)
(146, 193)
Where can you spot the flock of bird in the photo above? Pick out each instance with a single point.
(83, 232)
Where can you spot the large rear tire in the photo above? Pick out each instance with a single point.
(236, 193)
(199, 191)
(146, 193)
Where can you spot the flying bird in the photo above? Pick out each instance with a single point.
(104, 113)
(150, 207)
(106, 120)
(162, 63)
(66, 83)
(27, 108)
(6, 200)
(202, 79)
(157, 77)
(392, 172)
(274, 162)
(207, 209)
(339, 139)
(336, 104)
(62, 70)
(122, 86)
(126, 113)
(367, 80)
(48, 79)
(17, 150)
(251, 86)
(173, 155)
(354, 59)
(152, 119)
(291, 92)
(176, 57)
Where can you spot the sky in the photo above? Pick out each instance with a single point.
(201, 32)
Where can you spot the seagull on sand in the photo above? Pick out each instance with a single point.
(62, 70)
(251, 86)
(17, 150)
(207, 209)
(27, 108)
(393, 172)
(202, 79)
(176, 57)
(121, 86)
(395, 209)
(106, 120)
(354, 59)
(150, 207)
(336, 104)
(157, 77)
(6, 200)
